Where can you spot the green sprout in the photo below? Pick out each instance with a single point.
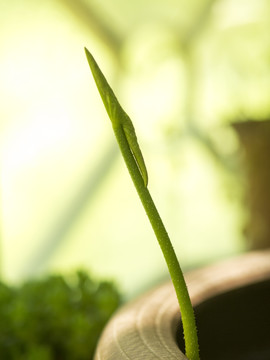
(126, 137)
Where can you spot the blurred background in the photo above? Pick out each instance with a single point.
(193, 76)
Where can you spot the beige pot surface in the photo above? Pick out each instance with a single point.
(145, 328)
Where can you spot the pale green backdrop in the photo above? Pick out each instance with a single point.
(183, 71)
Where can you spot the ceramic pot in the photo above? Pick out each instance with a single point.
(232, 306)
(254, 136)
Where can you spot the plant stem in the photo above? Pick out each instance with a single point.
(187, 313)
(137, 170)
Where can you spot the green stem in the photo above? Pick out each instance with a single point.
(187, 313)
(124, 132)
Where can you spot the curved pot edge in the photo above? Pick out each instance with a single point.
(146, 327)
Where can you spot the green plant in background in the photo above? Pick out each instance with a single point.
(127, 141)
(55, 317)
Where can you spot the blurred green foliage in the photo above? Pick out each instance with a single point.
(54, 317)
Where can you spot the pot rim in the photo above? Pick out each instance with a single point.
(145, 328)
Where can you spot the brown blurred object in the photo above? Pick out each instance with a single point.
(255, 138)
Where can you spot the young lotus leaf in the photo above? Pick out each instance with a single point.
(127, 140)
(118, 116)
